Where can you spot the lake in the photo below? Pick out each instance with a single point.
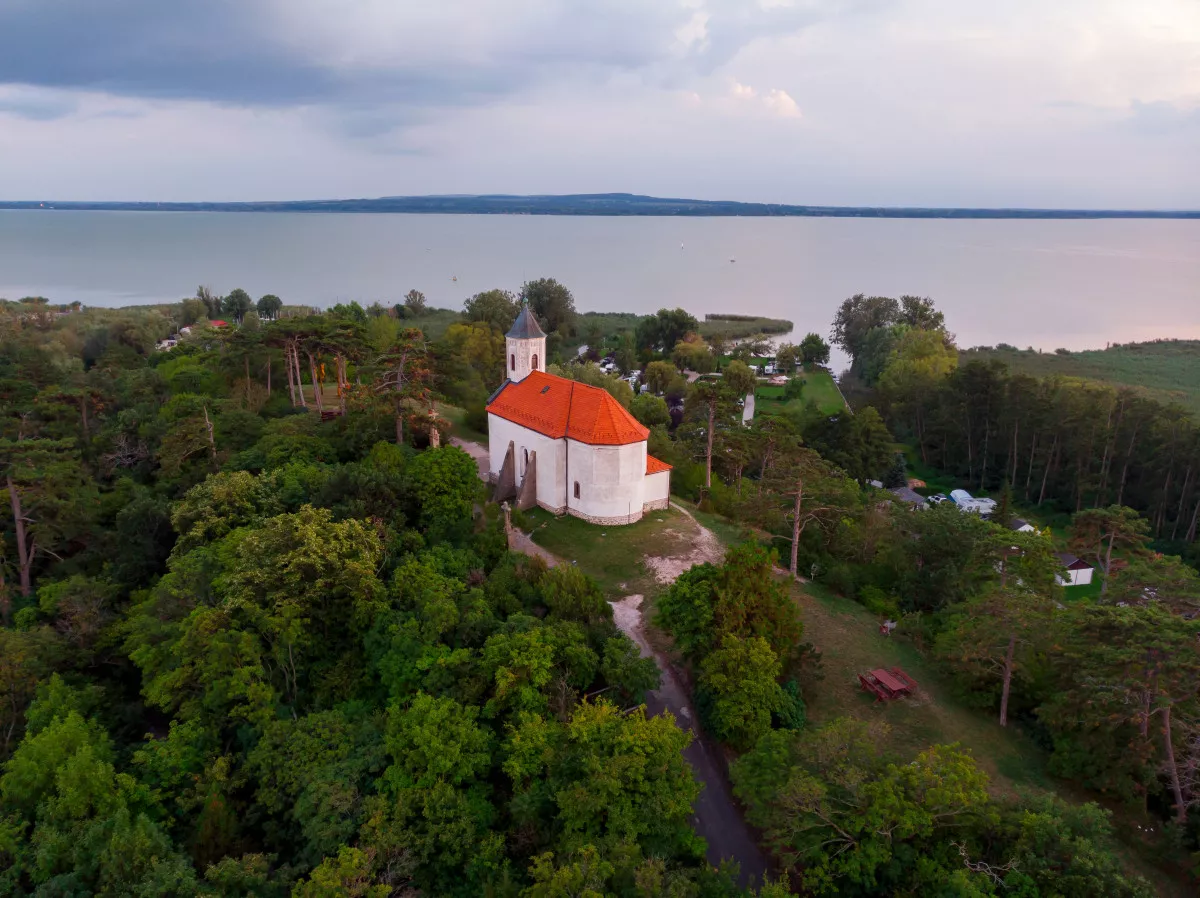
(1077, 284)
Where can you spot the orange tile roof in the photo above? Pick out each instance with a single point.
(654, 466)
(557, 408)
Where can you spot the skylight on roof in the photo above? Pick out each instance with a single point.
(546, 389)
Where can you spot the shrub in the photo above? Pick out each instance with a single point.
(476, 416)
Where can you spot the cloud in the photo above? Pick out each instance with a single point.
(924, 102)
(1164, 118)
(365, 52)
(781, 103)
(35, 104)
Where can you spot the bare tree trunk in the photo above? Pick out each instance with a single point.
(312, 367)
(295, 362)
(83, 414)
(1029, 471)
(1125, 466)
(1172, 769)
(24, 555)
(796, 528)
(212, 439)
(1046, 473)
(341, 375)
(712, 414)
(1107, 563)
(1191, 534)
(1008, 672)
(1183, 491)
(1012, 478)
(399, 423)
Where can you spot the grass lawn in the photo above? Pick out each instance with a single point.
(848, 637)
(457, 417)
(1165, 370)
(818, 386)
(730, 533)
(1090, 591)
(612, 556)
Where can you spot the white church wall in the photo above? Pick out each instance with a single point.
(611, 480)
(656, 493)
(551, 458)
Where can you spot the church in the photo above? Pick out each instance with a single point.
(565, 446)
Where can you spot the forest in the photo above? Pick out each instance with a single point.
(261, 633)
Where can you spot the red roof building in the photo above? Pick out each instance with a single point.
(557, 408)
(565, 446)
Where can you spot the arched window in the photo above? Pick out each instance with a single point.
(512, 362)
(534, 366)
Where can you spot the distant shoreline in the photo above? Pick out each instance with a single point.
(603, 204)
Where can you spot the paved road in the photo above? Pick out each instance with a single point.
(748, 409)
(716, 815)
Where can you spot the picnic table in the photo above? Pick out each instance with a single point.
(887, 685)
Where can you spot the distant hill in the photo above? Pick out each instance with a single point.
(1166, 370)
(588, 204)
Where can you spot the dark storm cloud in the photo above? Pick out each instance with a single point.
(193, 49)
(451, 52)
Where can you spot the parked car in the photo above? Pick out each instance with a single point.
(769, 368)
(938, 499)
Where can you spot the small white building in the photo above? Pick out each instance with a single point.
(1075, 571)
(1021, 526)
(567, 447)
(966, 502)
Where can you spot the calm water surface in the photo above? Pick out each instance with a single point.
(1077, 284)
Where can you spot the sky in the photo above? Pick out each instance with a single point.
(1016, 103)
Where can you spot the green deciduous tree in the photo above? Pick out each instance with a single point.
(495, 307)
(662, 330)
(237, 304)
(738, 690)
(552, 303)
(835, 810)
(414, 303)
(813, 351)
(268, 307)
(444, 483)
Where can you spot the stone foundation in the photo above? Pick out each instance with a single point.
(656, 505)
(606, 522)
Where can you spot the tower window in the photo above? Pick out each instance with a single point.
(576, 489)
(512, 362)
(534, 366)
(525, 462)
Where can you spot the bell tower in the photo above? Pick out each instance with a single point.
(525, 346)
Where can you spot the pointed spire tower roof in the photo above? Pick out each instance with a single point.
(526, 326)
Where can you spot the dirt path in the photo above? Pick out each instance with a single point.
(705, 548)
(716, 816)
(477, 451)
(523, 543)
